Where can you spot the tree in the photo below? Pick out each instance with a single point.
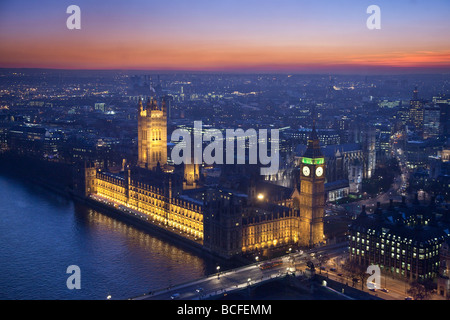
(419, 291)
(311, 266)
(356, 271)
(322, 259)
(382, 178)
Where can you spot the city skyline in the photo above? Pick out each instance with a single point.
(249, 36)
(234, 150)
(380, 145)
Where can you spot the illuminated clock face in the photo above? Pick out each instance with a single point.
(306, 171)
(319, 171)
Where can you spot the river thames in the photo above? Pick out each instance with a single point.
(42, 233)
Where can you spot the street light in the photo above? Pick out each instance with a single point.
(218, 271)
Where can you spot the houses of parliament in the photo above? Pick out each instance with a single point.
(238, 213)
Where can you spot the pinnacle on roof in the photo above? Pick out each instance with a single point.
(313, 149)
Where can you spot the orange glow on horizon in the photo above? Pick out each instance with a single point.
(213, 35)
(163, 55)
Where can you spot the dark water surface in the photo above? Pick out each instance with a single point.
(42, 233)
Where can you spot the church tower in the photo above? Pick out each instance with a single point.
(152, 134)
(312, 193)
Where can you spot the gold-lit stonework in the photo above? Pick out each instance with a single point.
(224, 222)
(152, 134)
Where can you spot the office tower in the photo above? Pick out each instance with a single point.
(416, 111)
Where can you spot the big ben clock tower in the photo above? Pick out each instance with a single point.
(312, 193)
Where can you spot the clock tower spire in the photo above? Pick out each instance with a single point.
(312, 192)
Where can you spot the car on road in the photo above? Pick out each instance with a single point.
(340, 274)
(385, 290)
(372, 286)
(175, 296)
(333, 269)
(198, 290)
(409, 298)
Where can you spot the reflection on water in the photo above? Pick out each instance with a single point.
(42, 233)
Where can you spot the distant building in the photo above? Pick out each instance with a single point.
(325, 136)
(431, 121)
(100, 106)
(365, 135)
(440, 164)
(416, 112)
(403, 114)
(337, 190)
(404, 240)
(415, 155)
(27, 139)
(443, 281)
(443, 103)
(383, 147)
(418, 151)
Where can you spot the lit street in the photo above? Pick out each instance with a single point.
(223, 282)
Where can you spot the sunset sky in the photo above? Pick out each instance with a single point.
(227, 35)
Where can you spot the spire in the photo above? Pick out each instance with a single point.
(378, 210)
(415, 94)
(416, 199)
(163, 106)
(313, 135)
(399, 221)
(403, 202)
(379, 213)
(363, 211)
(153, 104)
(313, 147)
(140, 106)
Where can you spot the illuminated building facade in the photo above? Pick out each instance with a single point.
(152, 134)
(416, 111)
(226, 222)
(311, 200)
(159, 202)
(403, 240)
(270, 225)
(443, 281)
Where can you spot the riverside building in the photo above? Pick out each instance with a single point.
(254, 218)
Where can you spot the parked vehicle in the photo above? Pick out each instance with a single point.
(175, 296)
